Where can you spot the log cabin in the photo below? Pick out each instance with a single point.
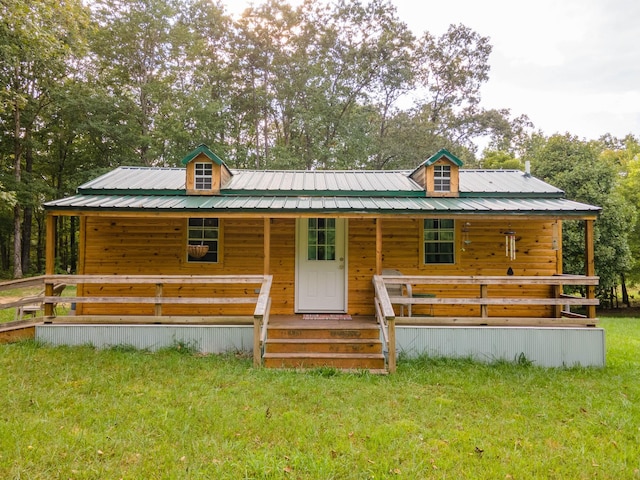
(428, 259)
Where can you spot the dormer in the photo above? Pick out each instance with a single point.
(206, 172)
(439, 175)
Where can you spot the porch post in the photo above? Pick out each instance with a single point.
(267, 246)
(50, 262)
(589, 263)
(378, 246)
(558, 290)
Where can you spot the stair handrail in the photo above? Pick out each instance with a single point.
(385, 316)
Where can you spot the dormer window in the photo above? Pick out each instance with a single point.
(439, 175)
(442, 178)
(203, 176)
(206, 173)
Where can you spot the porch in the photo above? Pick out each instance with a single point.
(362, 342)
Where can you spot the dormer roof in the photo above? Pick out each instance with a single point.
(443, 153)
(202, 149)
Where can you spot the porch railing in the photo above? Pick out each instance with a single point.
(260, 296)
(490, 292)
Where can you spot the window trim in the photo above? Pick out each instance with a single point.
(442, 178)
(203, 180)
(217, 240)
(439, 229)
(324, 245)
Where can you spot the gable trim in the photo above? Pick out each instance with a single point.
(443, 152)
(204, 150)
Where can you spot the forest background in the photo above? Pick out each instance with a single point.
(86, 87)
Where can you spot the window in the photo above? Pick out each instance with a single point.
(203, 232)
(439, 241)
(442, 178)
(203, 176)
(321, 243)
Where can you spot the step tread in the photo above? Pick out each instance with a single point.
(323, 355)
(324, 340)
(311, 326)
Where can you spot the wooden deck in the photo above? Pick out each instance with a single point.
(292, 341)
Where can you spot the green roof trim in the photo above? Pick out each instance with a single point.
(443, 152)
(206, 151)
(274, 205)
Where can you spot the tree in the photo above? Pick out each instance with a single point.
(447, 74)
(625, 154)
(494, 159)
(38, 40)
(576, 167)
(133, 46)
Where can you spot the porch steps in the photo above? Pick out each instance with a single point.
(344, 345)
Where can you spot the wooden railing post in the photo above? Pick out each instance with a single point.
(557, 293)
(261, 319)
(257, 350)
(386, 318)
(158, 307)
(391, 322)
(484, 293)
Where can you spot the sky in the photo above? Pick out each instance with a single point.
(569, 65)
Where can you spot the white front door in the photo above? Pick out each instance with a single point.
(321, 265)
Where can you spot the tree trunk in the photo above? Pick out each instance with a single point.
(17, 227)
(27, 217)
(17, 243)
(611, 298)
(5, 262)
(625, 293)
(40, 243)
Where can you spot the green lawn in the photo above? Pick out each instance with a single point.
(81, 413)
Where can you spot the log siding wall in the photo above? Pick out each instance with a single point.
(157, 246)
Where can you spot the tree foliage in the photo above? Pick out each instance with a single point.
(578, 168)
(39, 41)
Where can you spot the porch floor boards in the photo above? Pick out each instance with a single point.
(350, 345)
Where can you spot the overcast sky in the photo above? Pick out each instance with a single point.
(569, 65)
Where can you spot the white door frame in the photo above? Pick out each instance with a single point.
(337, 274)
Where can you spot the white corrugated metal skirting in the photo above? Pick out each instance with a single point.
(547, 347)
(203, 338)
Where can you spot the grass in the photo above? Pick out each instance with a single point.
(82, 413)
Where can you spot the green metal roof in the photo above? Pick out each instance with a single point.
(327, 205)
(387, 183)
(486, 192)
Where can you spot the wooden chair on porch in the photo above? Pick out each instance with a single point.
(37, 307)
